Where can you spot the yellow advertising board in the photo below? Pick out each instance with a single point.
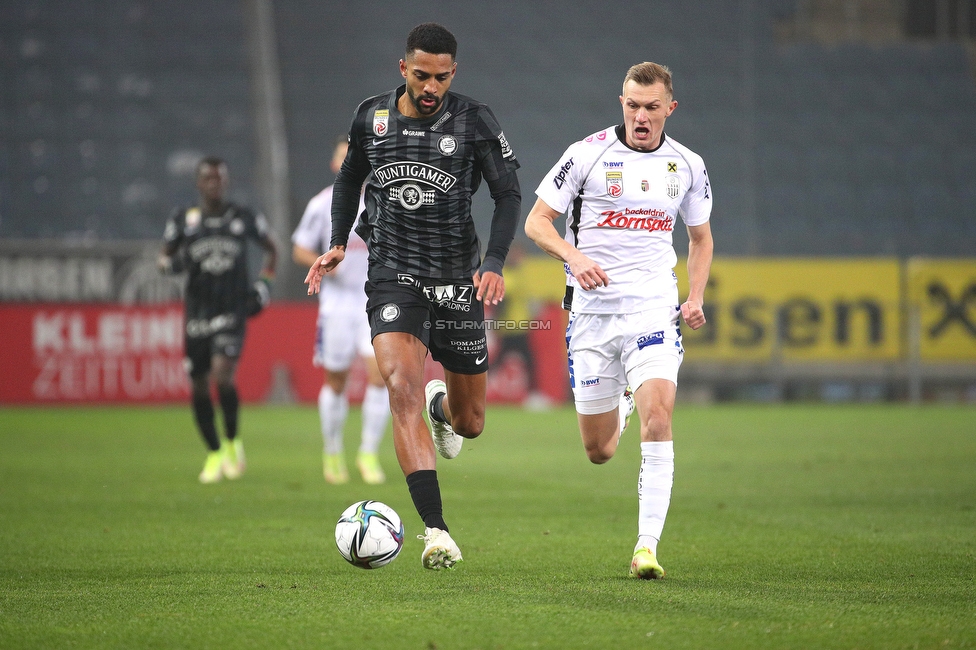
(799, 309)
(944, 293)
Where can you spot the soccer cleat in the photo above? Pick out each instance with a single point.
(213, 467)
(625, 409)
(447, 442)
(644, 565)
(334, 469)
(440, 551)
(234, 461)
(369, 467)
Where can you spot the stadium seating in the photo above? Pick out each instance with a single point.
(105, 106)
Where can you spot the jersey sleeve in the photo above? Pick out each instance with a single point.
(696, 207)
(562, 184)
(173, 231)
(315, 225)
(493, 150)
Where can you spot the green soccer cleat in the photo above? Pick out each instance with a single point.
(447, 442)
(213, 467)
(369, 468)
(440, 551)
(334, 469)
(626, 409)
(644, 565)
(234, 461)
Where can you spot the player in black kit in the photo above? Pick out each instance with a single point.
(209, 242)
(427, 150)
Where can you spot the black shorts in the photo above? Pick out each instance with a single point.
(443, 314)
(223, 335)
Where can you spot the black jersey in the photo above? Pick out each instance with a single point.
(213, 251)
(424, 174)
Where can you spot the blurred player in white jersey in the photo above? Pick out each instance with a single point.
(342, 333)
(624, 188)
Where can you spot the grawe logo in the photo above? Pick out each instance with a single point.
(639, 219)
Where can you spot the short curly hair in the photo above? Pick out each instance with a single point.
(431, 38)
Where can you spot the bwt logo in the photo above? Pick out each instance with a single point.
(590, 382)
(560, 178)
(612, 165)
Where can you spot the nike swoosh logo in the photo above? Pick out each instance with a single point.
(480, 361)
(376, 142)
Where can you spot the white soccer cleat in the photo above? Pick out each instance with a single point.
(447, 442)
(626, 409)
(440, 551)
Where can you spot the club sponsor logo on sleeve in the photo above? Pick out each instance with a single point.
(560, 178)
(615, 184)
(389, 313)
(654, 338)
(590, 382)
(381, 122)
(506, 148)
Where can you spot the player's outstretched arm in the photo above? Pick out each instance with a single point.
(322, 265)
(700, 247)
(540, 229)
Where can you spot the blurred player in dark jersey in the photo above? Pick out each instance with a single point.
(209, 242)
(426, 151)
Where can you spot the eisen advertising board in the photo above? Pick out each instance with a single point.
(798, 309)
(944, 293)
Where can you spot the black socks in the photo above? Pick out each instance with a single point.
(437, 408)
(426, 495)
(203, 411)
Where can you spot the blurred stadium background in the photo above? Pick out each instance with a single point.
(840, 137)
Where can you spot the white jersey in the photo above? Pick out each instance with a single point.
(343, 289)
(625, 204)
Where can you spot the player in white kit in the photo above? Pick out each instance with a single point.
(623, 189)
(342, 333)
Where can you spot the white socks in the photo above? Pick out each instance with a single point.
(376, 413)
(654, 491)
(333, 409)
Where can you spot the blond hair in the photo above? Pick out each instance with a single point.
(648, 74)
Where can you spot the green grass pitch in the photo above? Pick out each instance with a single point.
(797, 526)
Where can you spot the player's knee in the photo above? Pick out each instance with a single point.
(404, 396)
(468, 424)
(599, 455)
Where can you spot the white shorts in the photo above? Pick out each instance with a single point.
(341, 336)
(608, 352)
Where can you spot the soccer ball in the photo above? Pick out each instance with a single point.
(369, 534)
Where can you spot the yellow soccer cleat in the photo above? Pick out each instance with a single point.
(234, 461)
(334, 469)
(213, 467)
(645, 566)
(369, 468)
